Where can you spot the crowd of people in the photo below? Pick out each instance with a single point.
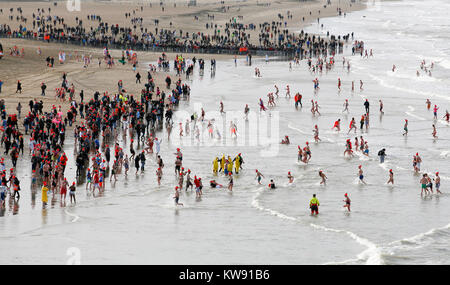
(98, 123)
(94, 31)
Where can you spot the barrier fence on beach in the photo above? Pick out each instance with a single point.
(288, 53)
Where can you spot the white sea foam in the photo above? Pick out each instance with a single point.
(371, 256)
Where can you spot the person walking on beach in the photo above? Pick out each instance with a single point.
(19, 109)
(314, 205)
(43, 87)
(1, 84)
(138, 78)
(19, 87)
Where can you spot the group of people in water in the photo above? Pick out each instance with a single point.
(98, 123)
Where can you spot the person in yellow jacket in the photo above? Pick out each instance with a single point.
(237, 163)
(216, 165)
(230, 165)
(314, 205)
(222, 163)
(44, 191)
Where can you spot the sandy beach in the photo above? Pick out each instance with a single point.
(32, 71)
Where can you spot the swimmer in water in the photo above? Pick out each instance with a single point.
(300, 154)
(290, 177)
(360, 175)
(246, 111)
(288, 91)
(272, 184)
(189, 180)
(221, 108)
(428, 102)
(261, 105)
(316, 108)
(424, 182)
(345, 106)
(418, 161)
(348, 148)
(230, 183)
(285, 140)
(214, 184)
(307, 152)
(447, 116)
(347, 202)
(434, 132)
(316, 134)
(437, 182)
(258, 176)
(435, 109)
(391, 177)
(405, 128)
(352, 126)
(177, 197)
(337, 125)
(323, 176)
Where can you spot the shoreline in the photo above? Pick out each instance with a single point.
(52, 49)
